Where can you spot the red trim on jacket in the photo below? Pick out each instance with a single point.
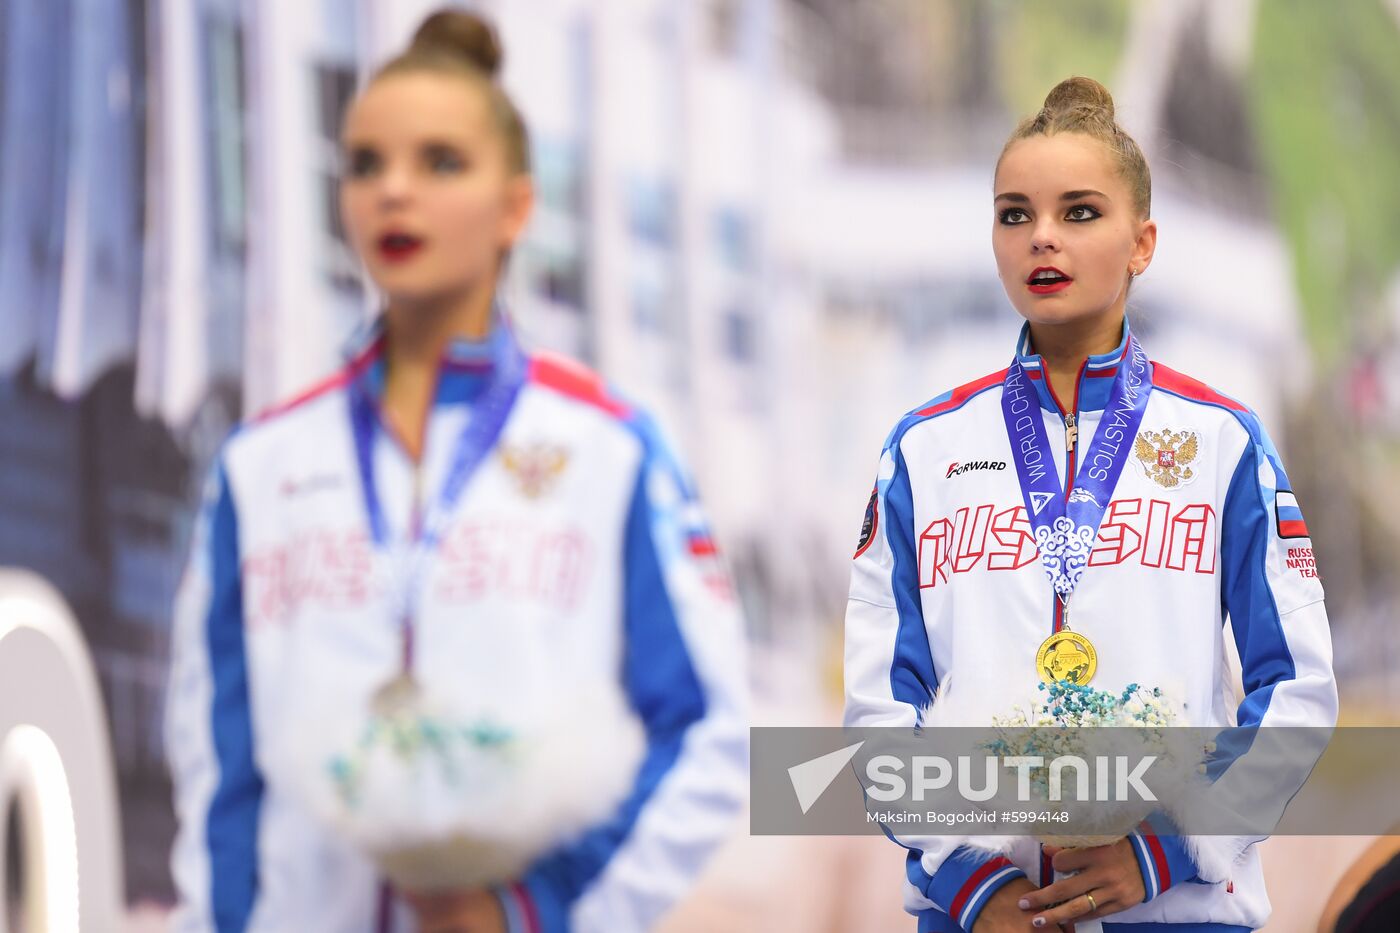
(1173, 381)
(577, 381)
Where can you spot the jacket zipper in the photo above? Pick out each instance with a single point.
(415, 514)
(1071, 419)
(415, 518)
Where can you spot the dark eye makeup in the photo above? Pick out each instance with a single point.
(1079, 213)
(362, 162)
(443, 159)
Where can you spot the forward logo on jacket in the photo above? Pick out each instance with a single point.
(316, 482)
(535, 467)
(957, 469)
(1166, 456)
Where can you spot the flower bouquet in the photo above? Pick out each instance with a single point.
(445, 794)
(1057, 727)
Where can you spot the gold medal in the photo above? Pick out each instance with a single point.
(1066, 655)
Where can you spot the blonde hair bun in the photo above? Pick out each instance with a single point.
(1079, 93)
(461, 34)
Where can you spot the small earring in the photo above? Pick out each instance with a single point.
(1132, 273)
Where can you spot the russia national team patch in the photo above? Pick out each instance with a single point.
(872, 521)
(1290, 517)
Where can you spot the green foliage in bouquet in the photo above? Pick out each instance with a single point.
(1068, 704)
(1054, 728)
(410, 738)
(1047, 730)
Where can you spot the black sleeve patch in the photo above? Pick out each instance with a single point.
(872, 521)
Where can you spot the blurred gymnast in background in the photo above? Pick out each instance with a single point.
(454, 651)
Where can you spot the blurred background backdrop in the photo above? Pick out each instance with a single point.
(767, 220)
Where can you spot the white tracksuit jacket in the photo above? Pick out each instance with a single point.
(575, 553)
(948, 585)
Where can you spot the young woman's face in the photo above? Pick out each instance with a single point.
(427, 196)
(1065, 231)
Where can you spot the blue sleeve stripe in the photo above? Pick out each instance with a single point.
(963, 882)
(993, 884)
(660, 677)
(1265, 659)
(912, 677)
(666, 694)
(1149, 871)
(1255, 705)
(232, 822)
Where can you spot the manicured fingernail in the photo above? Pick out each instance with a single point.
(1023, 904)
(1038, 922)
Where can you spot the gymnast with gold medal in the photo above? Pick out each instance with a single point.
(1084, 520)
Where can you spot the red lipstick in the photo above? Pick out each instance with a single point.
(399, 247)
(1047, 280)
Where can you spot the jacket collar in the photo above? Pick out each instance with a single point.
(463, 371)
(1095, 374)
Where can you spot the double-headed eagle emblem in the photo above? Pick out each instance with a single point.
(1167, 456)
(535, 467)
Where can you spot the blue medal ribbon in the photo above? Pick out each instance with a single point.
(484, 424)
(1066, 527)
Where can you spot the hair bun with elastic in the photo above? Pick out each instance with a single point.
(457, 32)
(1080, 93)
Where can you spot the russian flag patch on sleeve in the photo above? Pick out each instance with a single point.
(1289, 516)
